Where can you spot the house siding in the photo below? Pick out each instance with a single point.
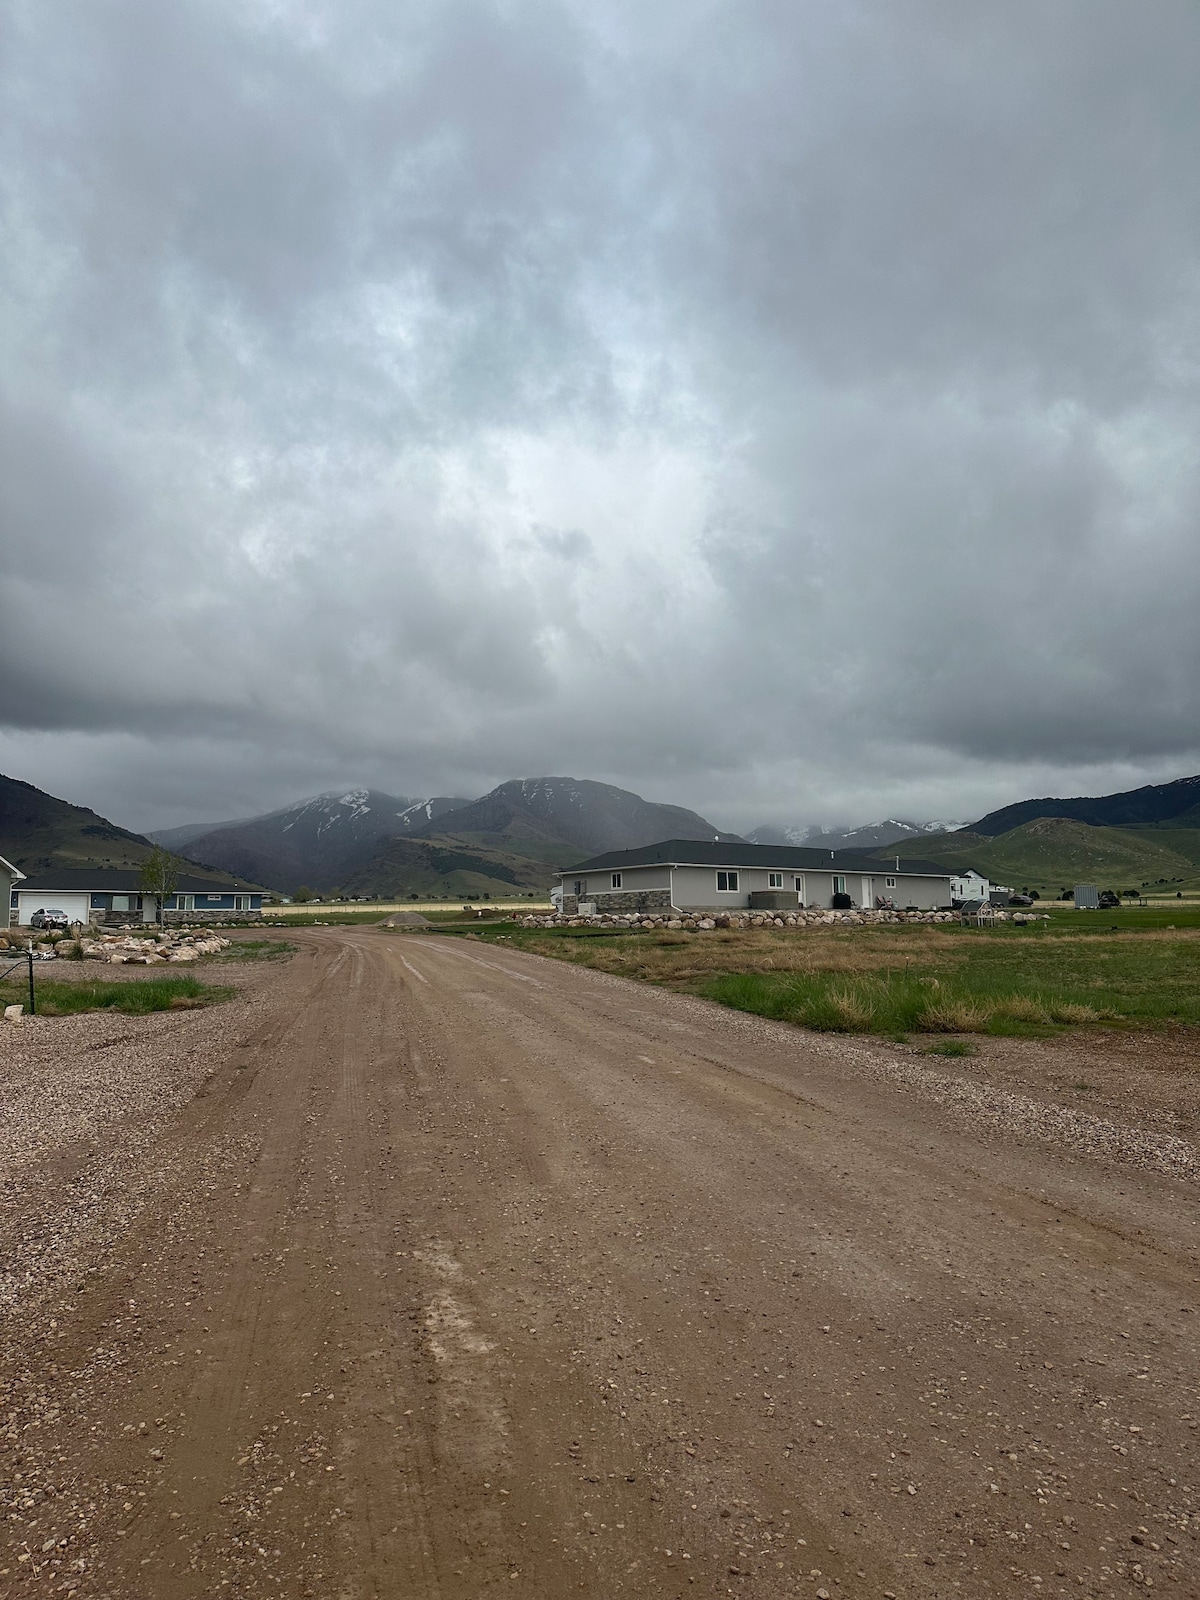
(695, 889)
(96, 905)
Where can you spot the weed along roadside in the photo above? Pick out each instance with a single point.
(135, 998)
(926, 978)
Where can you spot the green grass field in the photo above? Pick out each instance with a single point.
(1131, 968)
(135, 998)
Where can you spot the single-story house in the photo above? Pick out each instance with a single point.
(695, 875)
(113, 895)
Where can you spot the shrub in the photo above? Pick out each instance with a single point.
(956, 1016)
(1074, 1013)
(1022, 1008)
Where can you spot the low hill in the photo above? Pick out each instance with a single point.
(1053, 853)
(1174, 805)
(431, 867)
(320, 842)
(39, 832)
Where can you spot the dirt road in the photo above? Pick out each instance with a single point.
(467, 1273)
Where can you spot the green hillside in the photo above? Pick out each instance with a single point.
(1053, 853)
(536, 850)
(39, 832)
(431, 867)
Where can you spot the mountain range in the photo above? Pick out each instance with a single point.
(319, 842)
(363, 841)
(1139, 838)
(871, 836)
(368, 842)
(1156, 805)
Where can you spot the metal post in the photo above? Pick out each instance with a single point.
(32, 1001)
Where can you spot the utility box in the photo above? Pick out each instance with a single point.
(1087, 897)
(774, 900)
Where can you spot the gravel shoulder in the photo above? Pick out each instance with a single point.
(424, 1268)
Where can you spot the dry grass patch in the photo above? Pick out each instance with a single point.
(685, 959)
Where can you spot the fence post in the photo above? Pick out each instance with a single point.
(32, 1000)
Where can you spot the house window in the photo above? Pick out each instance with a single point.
(579, 886)
(212, 897)
(616, 880)
(126, 902)
(839, 885)
(774, 880)
(891, 883)
(727, 882)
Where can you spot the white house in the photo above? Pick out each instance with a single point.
(701, 875)
(10, 877)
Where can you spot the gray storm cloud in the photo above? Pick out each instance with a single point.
(787, 409)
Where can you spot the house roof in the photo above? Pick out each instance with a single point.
(123, 880)
(14, 872)
(792, 858)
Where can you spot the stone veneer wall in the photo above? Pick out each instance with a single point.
(202, 918)
(191, 919)
(619, 901)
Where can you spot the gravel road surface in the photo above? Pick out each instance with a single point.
(426, 1268)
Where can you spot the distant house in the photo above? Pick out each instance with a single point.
(690, 875)
(113, 895)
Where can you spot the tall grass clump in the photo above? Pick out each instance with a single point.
(134, 998)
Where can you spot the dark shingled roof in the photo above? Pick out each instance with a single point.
(792, 858)
(123, 880)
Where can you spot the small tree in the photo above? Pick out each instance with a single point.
(159, 875)
(302, 895)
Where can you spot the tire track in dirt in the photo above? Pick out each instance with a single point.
(469, 1274)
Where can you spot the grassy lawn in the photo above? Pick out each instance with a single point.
(136, 997)
(1125, 968)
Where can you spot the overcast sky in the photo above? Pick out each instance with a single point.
(786, 408)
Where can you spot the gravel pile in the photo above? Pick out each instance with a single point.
(81, 1100)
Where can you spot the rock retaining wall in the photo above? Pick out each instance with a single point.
(699, 922)
(132, 950)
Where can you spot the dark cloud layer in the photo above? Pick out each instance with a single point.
(787, 409)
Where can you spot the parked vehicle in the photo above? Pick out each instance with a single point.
(49, 918)
(1109, 901)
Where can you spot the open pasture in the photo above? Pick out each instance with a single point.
(1131, 969)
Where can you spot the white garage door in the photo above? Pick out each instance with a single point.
(29, 901)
